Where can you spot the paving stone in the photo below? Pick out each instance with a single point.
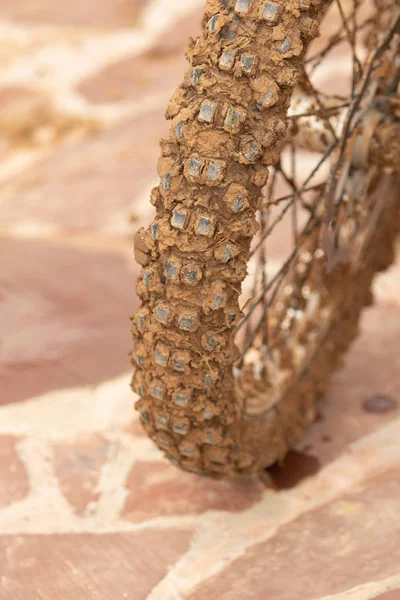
(14, 485)
(371, 370)
(91, 13)
(159, 489)
(78, 467)
(156, 72)
(64, 319)
(122, 565)
(134, 78)
(175, 38)
(89, 186)
(349, 542)
(393, 595)
(64, 316)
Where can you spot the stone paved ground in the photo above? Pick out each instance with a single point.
(88, 508)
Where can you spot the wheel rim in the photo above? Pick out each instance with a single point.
(288, 304)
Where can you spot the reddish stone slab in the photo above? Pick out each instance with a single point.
(91, 185)
(349, 542)
(158, 71)
(64, 316)
(134, 78)
(393, 595)
(90, 13)
(14, 485)
(370, 370)
(161, 489)
(123, 566)
(175, 38)
(78, 466)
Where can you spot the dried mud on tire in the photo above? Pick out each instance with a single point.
(228, 124)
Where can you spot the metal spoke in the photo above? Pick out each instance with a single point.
(290, 197)
(324, 125)
(323, 115)
(350, 35)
